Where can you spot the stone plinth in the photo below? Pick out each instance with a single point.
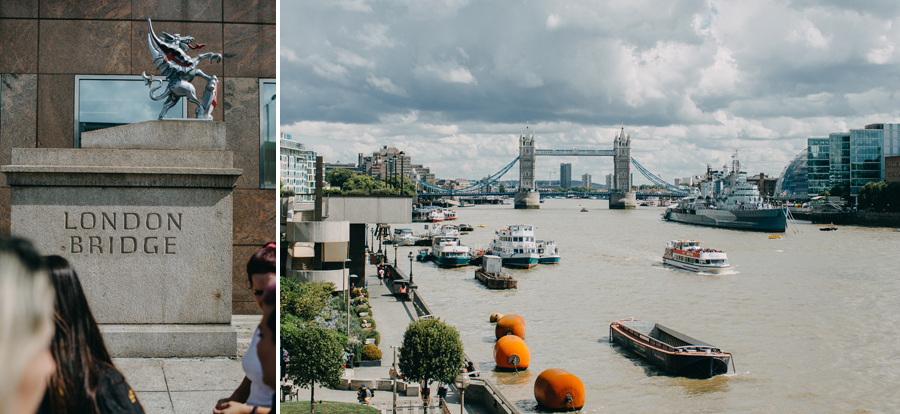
(527, 200)
(148, 229)
(622, 201)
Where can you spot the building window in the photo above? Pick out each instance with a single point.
(110, 100)
(268, 133)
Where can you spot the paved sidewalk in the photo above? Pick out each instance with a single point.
(392, 316)
(188, 385)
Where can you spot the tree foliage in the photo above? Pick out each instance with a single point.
(362, 182)
(431, 350)
(318, 356)
(338, 176)
(304, 300)
(879, 196)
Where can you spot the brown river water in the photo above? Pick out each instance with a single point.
(813, 319)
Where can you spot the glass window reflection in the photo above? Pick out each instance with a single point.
(268, 133)
(108, 101)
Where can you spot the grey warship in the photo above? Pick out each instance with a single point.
(727, 200)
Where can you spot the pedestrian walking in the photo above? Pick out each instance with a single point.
(380, 274)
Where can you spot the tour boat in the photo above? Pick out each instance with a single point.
(492, 276)
(427, 215)
(447, 251)
(465, 228)
(516, 246)
(448, 214)
(687, 254)
(422, 256)
(404, 237)
(672, 351)
(548, 252)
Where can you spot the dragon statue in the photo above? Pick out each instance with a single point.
(170, 56)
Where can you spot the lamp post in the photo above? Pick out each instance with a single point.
(343, 265)
(395, 254)
(462, 382)
(401, 173)
(410, 267)
(394, 378)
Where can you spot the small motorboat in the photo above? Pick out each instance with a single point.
(672, 351)
(831, 227)
(423, 255)
(465, 228)
(584, 209)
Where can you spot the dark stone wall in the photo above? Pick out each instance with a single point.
(45, 43)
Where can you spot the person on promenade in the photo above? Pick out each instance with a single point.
(86, 380)
(380, 275)
(253, 391)
(363, 395)
(26, 327)
(266, 353)
(442, 391)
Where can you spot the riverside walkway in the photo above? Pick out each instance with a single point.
(391, 316)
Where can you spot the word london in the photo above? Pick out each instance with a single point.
(88, 244)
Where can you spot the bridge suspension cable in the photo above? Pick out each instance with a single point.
(656, 180)
(477, 186)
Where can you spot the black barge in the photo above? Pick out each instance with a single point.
(673, 352)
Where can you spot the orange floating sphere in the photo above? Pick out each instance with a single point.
(510, 324)
(556, 389)
(495, 317)
(511, 353)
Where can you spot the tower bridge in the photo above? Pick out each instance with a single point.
(527, 195)
(620, 197)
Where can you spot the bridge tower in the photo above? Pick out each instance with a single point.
(526, 197)
(621, 196)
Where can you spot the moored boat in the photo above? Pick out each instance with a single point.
(465, 228)
(672, 351)
(404, 237)
(548, 252)
(448, 214)
(688, 255)
(492, 276)
(516, 246)
(728, 200)
(447, 251)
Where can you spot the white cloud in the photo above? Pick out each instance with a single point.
(447, 72)
(349, 58)
(354, 5)
(385, 85)
(552, 21)
(375, 36)
(809, 34)
(327, 69)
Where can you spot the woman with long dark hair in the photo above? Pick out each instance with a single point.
(253, 393)
(85, 381)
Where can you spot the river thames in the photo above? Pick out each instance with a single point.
(811, 319)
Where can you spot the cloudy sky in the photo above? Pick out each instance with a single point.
(454, 82)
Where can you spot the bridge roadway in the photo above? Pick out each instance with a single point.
(544, 194)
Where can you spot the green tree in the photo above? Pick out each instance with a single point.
(284, 193)
(338, 176)
(502, 188)
(318, 356)
(431, 350)
(362, 182)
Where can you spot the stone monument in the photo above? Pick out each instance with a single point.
(526, 197)
(143, 212)
(621, 197)
(145, 218)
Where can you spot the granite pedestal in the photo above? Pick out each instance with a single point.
(143, 212)
(622, 201)
(527, 200)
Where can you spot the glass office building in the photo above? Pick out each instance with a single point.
(818, 164)
(793, 182)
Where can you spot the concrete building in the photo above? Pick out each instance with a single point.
(565, 175)
(298, 168)
(386, 162)
(69, 67)
(765, 184)
(609, 180)
(892, 169)
(586, 180)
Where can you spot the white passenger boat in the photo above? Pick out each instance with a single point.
(548, 252)
(687, 254)
(404, 237)
(447, 251)
(448, 214)
(516, 246)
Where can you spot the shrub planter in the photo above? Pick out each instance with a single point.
(365, 363)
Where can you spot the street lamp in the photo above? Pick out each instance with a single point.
(462, 382)
(401, 173)
(410, 267)
(394, 376)
(343, 265)
(395, 254)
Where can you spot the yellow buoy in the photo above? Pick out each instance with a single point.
(511, 353)
(481, 225)
(557, 389)
(510, 324)
(496, 317)
(774, 236)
